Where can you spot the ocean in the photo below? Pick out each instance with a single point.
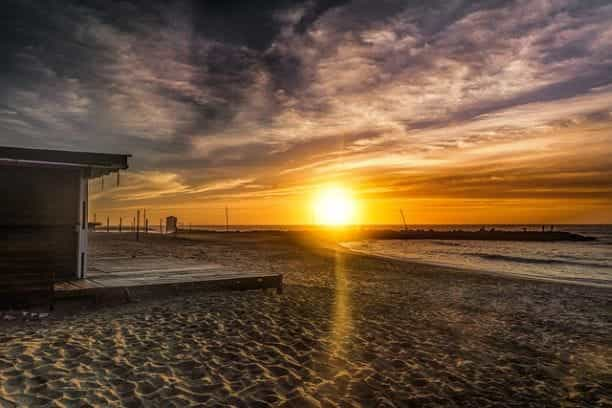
(588, 263)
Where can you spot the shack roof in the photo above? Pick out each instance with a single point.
(98, 164)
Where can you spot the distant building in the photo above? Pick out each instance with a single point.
(171, 223)
(43, 232)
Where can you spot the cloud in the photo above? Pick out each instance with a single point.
(214, 100)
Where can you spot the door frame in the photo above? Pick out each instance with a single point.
(82, 225)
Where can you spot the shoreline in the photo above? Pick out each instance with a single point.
(319, 241)
(487, 273)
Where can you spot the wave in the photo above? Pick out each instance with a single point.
(447, 243)
(497, 257)
(595, 281)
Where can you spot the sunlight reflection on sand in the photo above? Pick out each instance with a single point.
(341, 322)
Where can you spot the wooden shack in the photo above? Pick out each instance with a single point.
(171, 224)
(43, 216)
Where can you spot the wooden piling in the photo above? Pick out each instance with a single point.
(226, 219)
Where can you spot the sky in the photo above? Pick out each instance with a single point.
(454, 111)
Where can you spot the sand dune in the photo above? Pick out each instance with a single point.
(349, 331)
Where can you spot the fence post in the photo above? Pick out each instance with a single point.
(137, 225)
(226, 219)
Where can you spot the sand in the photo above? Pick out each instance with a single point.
(349, 330)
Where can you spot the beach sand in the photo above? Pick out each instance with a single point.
(349, 330)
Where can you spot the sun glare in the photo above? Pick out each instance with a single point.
(334, 206)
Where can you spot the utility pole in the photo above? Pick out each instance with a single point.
(144, 221)
(94, 223)
(161, 231)
(120, 224)
(137, 225)
(226, 219)
(107, 223)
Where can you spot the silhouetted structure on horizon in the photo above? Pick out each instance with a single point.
(171, 224)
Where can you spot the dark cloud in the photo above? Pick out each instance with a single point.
(254, 24)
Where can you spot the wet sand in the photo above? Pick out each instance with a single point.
(350, 330)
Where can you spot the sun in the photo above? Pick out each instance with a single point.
(334, 206)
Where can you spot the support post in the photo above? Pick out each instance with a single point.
(226, 219)
(137, 225)
(120, 223)
(107, 223)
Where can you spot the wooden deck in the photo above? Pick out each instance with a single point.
(132, 275)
